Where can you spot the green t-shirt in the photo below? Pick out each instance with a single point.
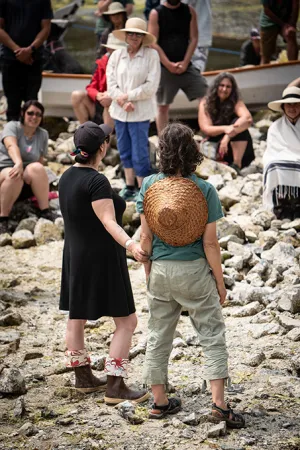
(281, 9)
(102, 23)
(193, 251)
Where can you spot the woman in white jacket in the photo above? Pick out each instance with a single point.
(133, 75)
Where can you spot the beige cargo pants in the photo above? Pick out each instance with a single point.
(174, 285)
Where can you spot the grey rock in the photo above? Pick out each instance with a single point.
(8, 337)
(256, 359)
(263, 125)
(217, 430)
(127, 410)
(252, 189)
(5, 239)
(229, 196)
(98, 362)
(112, 158)
(10, 319)
(260, 268)
(243, 294)
(236, 262)
(191, 419)
(12, 382)
(139, 349)
(46, 231)
(263, 218)
(279, 253)
(59, 222)
(255, 280)
(288, 322)
(226, 227)
(32, 355)
(178, 342)
(193, 340)
(290, 300)
(27, 224)
(264, 316)
(19, 409)
(294, 334)
(259, 330)
(249, 310)
(239, 250)
(231, 238)
(28, 429)
(216, 180)
(251, 236)
(177, 354)
(294, 224)
(225, 255)
(23, 239)
(229, 282)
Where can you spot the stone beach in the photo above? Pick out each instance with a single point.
(261, 265)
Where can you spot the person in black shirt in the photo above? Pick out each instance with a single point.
(250, 50)
(24, 26)
(174, 24)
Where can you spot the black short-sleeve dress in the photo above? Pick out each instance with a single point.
(95, 280)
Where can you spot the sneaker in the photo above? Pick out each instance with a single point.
(4, 226)
(49, 215)
(128, 194)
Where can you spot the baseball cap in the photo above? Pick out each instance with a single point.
(89, 136)
(254, 33)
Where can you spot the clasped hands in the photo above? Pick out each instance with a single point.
(139, 254)
(24, 55)
(230, 131)
(177, 68)
(122, 101)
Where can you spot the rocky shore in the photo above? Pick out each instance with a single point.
(261, 264)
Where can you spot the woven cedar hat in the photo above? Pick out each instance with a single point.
(176, 210)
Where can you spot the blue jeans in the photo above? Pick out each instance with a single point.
(132, 138)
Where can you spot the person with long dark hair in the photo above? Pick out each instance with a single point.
(225, 119)
(22, 174)
(95, 278)
(178, 214)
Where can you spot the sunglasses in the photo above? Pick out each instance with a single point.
(33, 113)
(132, 33)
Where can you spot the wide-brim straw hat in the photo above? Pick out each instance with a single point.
(176, 210)
(113, 43)
(289, 95)
(135, 25)
(114, 8)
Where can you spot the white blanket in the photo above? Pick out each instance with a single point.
(282, 160)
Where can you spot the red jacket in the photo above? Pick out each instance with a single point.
(98, 81)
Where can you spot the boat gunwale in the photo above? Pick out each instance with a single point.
(233, 70)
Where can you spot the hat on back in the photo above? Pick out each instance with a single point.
(176, 210)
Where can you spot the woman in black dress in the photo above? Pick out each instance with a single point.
(225, 119)
(95, 279)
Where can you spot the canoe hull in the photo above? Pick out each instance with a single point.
(258, 85)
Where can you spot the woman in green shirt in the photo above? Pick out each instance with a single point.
(178, 214)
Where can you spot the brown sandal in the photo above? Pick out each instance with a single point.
(232, 419)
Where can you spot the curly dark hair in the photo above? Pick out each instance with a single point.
(178, 151)
(221, 112)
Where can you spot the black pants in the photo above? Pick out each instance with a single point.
(21, 82)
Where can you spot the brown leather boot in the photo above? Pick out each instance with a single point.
(86, 382)
(118, 392)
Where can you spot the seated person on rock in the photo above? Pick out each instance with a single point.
(23, 146)
(282, 158)
(93, 103)
(224, 119)
(250, 50)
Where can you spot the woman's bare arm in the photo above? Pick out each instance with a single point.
(105, 211)
(244, 120)
(213, 255)
(205, 122)
(146, 243)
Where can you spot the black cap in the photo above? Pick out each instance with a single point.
(254, 33)
(89, 136)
